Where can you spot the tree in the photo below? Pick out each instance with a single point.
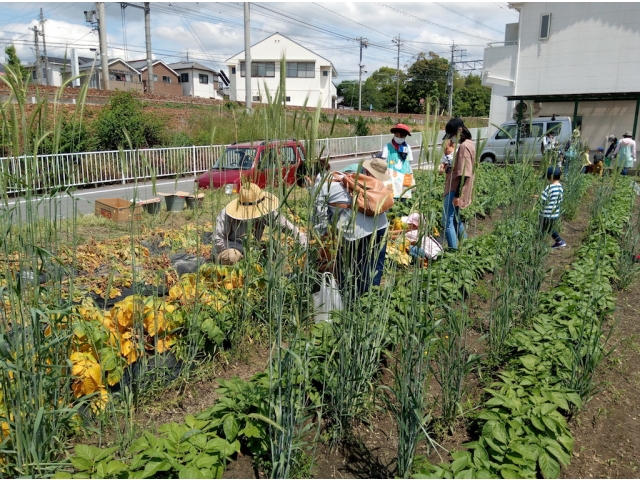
(472, 99)
(14, 64)
(348, 89)
(426, 77)
(125, 113)
(380, 89)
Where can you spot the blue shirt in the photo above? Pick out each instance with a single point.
(552, 197)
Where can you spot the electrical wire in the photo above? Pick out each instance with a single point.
(432, 23)
(468, 18)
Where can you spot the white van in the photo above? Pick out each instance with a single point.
(501, 146)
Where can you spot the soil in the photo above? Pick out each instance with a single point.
(608, 428)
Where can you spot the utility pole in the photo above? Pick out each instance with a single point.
(44, 48)
(102, 32)
(247, 58)
(363, 43)
(398, 42)
(450, 80)
(147, 38)
(36, 33)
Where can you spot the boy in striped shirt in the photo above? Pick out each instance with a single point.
(551, 200)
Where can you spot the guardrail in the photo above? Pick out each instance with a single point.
(44, 172)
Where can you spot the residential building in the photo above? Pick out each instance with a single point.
(308, 75)
(197, 80)
(59, 70)
(122, 76)
(165, 79)
(574, 59)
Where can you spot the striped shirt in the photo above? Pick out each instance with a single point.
(552, 197)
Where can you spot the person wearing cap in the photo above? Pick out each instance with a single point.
(361, 250)
(399, 158)
(598, 162)
(458, 186)
(551, 201)
(423, 245)
(253, 209)
(626, 149)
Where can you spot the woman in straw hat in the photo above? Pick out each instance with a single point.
(361, 248)
(399, 158)
(253, 208)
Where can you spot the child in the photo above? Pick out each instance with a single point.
(428, 247)
(598, 162)
(551, 200)
(447, 156)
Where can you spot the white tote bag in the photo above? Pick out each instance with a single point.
(431, 247)
(327, 299)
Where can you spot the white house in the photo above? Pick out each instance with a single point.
(308, 74)
(197, 80)
(574, 59)
(59, 70)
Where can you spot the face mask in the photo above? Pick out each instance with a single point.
(398, 139)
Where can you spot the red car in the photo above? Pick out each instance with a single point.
(258, 162)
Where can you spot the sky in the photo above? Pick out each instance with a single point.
(212, 32)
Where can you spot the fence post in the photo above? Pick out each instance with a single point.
(356, 145)
(193, 156)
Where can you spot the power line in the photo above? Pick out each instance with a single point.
(468, 18)
(433, 23)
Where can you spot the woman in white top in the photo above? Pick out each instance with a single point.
(626, 151)
(361, 248)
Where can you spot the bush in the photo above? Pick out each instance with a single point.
(362, 129)
(125, 113)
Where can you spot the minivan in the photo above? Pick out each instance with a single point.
(258, 162)
(502, 144)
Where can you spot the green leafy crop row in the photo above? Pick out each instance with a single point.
(522, 430)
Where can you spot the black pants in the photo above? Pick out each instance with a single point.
(359, 264)
(548, 226)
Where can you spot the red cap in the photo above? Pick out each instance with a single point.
(401, 126)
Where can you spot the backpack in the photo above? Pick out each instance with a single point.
(370, 195)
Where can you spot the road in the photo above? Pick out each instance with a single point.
(83, 201)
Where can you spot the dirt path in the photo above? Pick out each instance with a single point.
(607, 431)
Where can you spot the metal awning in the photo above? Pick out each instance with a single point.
(577, 97)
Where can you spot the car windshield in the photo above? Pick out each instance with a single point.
(236, 159)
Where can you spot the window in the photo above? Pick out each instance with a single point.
(236, 159)
(203, 77)
(288, 99)
(554, 127)
(233, 70)
(531, 131)
(325, 73)
(155, 77)
(508, 131)
(166, 79)
(301, 70)
(260, 69)
(288, 155)
(301, 153)
(34, 75)
(256, 98)
(545, 26)
(184, 78)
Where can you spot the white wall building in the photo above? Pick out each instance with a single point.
(308, 74)
(574, 59)
(197, 80)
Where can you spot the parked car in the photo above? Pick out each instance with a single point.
(501, 146)
(257, 162)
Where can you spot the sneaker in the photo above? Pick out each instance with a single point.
(559, 244)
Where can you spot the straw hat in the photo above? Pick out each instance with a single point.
(628, 134)
(377, 167)
(252, 203)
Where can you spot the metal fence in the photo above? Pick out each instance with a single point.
(44, 172)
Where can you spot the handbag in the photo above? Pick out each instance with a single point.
(370, 196)
(432, 248)
(327, 300)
